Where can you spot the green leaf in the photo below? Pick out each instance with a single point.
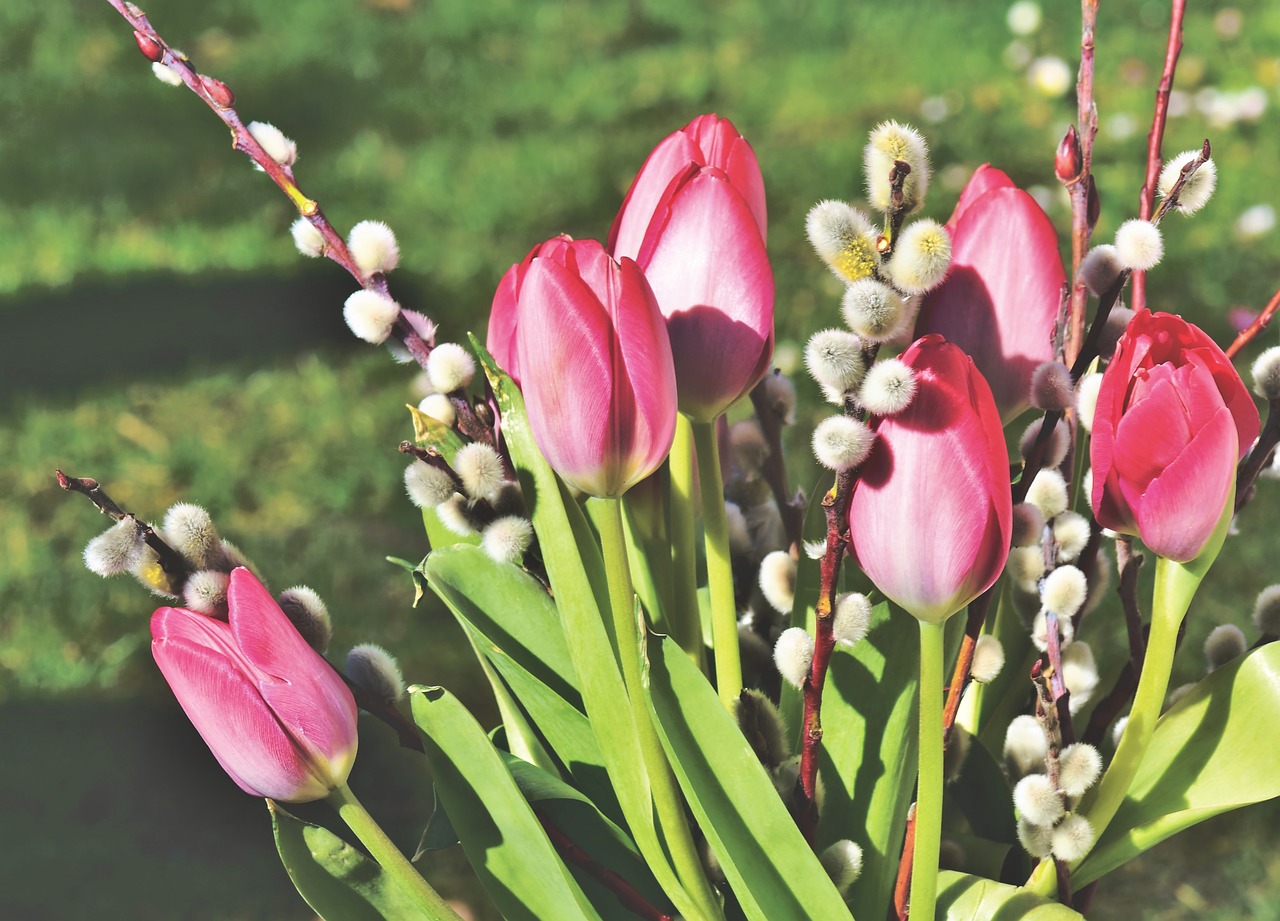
(501, 836)
(869, 751)
(1213, 752)
(772, 870)
(337, 881)
(974, 898)
(576, 572)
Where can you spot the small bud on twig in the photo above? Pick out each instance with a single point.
(1069, 161)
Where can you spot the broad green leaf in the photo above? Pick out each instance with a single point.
(771, 868)
(501, 836)
(982, 794)
(336, 880)
(974, 898)
(576, 572)
(869, 751)
(1212, 752)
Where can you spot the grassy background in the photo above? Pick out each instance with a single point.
(163, 336)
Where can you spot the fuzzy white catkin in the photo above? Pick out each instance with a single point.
(189, 529)
(507, 538)
(1037, 801)
(450, 367)
(206, 591)
(1266, 374)
(166, 74)
(1266, 611)
(988, 659)
(1079, 673)
(278, 147)
(1052, 387)
(739, 533)
(780, 396)
(1072, 838)
(1224, 643)
(1117, 322)
(834, 359)
(453, 514)
(439, 407)
(1079, 766)
(843, 863)
(851, 618)
(1036, 839)
(1024, 744)
(1100, 268)
(1071, 534)
(1139, 245)
(1064, 591)
(842, 442)
(373, 246)
(370, 315)
(778, 580)
(793, 655)
(1040, 631)
(888, 388)
(872, 309)
(308, 240)
(1087, 399)
(117, 549)
(1198, 189)
(844, 238)
(376, 670)
(1117, 731)
(307, 611)
(427, 486)
(1055, 447)
(480, 470)
(1048, 493)
(1028, 527)
(921, 257)
(891, 141)
(1025, 566)
(234, 556)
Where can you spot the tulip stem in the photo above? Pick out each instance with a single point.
(686, 618)
(928, 836)
(627, 628)
(715, 526)
(389, 857)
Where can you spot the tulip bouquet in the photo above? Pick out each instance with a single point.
(722, 697)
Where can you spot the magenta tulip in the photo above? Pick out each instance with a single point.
(695, 222)
(931, 514)
(1173, 419)
(595, 365)
(1001, 298)
(279, 720)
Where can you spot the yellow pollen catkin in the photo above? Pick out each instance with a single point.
(857, 259)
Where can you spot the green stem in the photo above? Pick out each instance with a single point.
(924, 862)
(666, 798)
(389, 856)
(686, 617)
(715, 526)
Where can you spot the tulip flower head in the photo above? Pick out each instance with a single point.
(1001, 297)
(694, 220)
(585, 336)
(280, 721)
(939, 467)
(1172, 420)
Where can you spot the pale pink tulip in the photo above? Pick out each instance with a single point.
(1001, 298)
(280, 721)
(931, 514)
(1173, 418)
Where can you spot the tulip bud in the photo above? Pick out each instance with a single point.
(1100, 268)
(279, 720)
(189, 530)
(844, 238)
(309, 615)
(118, 549)
(843, 863)
(166, 74)
(1072, 838)
(370, 315)
(778, 580)
(873, 310)
(834, 359)
(842, 442)
(1139, 245)
(375, 670)
(1036, 839)
(793, 654)
(308, 240)
(1079, 766)
(278, 147)
(1266, 374)
(218, 92)
(888, 388)
(891, 141)
(1224, 643)
(1071, 533)
(373, 247)
(1037, 801)
(1052, 387)
(150, 48)
(1025, 746)
(1056, 445)
(988, 659)
(851, 618)
(762, 725)
(1028, 526)
(507, 538)
(1266, 611)
(427, 486)
(1069, 161)
(206, 592)
(920, 258)
(1197, 190)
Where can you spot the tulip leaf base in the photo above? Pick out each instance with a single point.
(974, 898)
(333, 877)
(765, 858)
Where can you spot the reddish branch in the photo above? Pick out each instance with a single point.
(1258, 457)
(1248, 334)
(1082, 189)
(1156, 136)
(627, 894)
(964, 661)
(902, 885)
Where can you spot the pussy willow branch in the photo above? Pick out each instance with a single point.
(1256, 459)
(1156, 137)
(902, 884)
(1048, 711)
(1082, 189)
(1250, 332)
(775, 469)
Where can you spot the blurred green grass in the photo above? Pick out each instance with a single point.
(475, 130)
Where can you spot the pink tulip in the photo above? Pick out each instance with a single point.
(931, 514)
(695, 222)
(1173, 418)
(1001, 298)
(279, 720)
(595, 365)
(500, 340)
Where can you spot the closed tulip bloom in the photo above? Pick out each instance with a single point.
(595, 363)
(1172, 420)
(701, 243)
(500, 340)
(938, 468)
(1001, 297)
(280, 721)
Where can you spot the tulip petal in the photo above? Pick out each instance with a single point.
(669, 158)
(985, 178)
(212, 682)
(500, 339)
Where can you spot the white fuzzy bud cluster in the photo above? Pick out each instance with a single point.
(278, 147)
(428, 486)
(1045, 823)
(988, 659)
(376, 671)
(920, 257)
(888, 388)
(851, 618)
(844, 238)
(835, 359)
(370, 315)
(480, 470)
(843, 863)
(1087, 399)
(1266, 611)
(1052, 387)
(309, 614)
(874, 310)
(793, 655)
(166, 74)
(763, 727)
(892, 141)
(1197, 190)
(373, 247)
(1266, 374)
(205, 592)
(1056, 446)
(118, 549)
(307, 238)
(450, 367)
(1139, 245)
(439, 407)
(1224, 643)
(1100, 268)
(841, 442)
(778, 580)
(507, 538)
